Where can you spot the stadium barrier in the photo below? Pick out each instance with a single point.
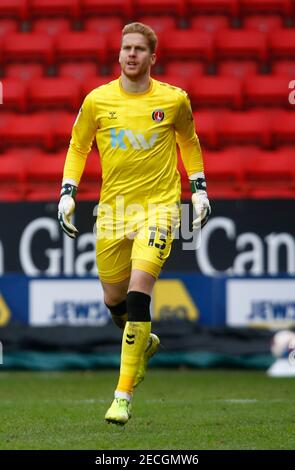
(225, 298)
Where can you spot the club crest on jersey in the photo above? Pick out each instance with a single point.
(158, 115)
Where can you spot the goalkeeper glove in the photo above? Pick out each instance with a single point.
(200, 201)
(66, 209)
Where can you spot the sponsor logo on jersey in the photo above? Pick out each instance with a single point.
(136, 140)
(158, 115)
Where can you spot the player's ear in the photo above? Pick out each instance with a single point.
(120, 56)
(153, 59)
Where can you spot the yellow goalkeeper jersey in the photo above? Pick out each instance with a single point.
(136, 135)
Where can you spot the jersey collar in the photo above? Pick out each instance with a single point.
(136, 95)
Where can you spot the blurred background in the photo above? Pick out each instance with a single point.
(218, 305)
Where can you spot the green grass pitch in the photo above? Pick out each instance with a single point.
(172, 409)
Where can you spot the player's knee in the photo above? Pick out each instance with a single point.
(119, 313)
(118, 309)
(111, 299)
(138, 306)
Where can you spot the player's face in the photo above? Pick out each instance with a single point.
(135, 56)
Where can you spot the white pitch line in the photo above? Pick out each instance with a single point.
(91, 401)
(240, 400)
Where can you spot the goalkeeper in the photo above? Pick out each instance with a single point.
(136, 122)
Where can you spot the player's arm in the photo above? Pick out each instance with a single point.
(83, 133)
(191, 155)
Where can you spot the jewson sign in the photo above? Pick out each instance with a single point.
(268, 303)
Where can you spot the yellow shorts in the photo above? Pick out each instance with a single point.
(145, 248)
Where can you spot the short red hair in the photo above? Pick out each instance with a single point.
(145, 30)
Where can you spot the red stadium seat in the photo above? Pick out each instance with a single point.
(14, 94)
(200, 7)
(282, 44)
(266, 90)
(184, 68)
(241, 44)
(102, 25)
(225, 173)
(1, 50)
(263, 23)
(6, 119)
(164, 7)
(114, 46)
(209, 23)
(216, 91)
(284, 68)
(270, 174)
(265, 6)
(79, 71)
(160, 24)
(52, 26)
(14, 9)
(251, 128)
(54, 92)
(47, 8)
(187, 44)
(206, 127)
(11, 177)
(28, 130)
(62, 123)
(89, 187)
(283, 127)
(116, 71)
(237, 68)
(81, 45)
(25, 72)
(28, 47)
(44, 175)
(7, 27)
(109, 7)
